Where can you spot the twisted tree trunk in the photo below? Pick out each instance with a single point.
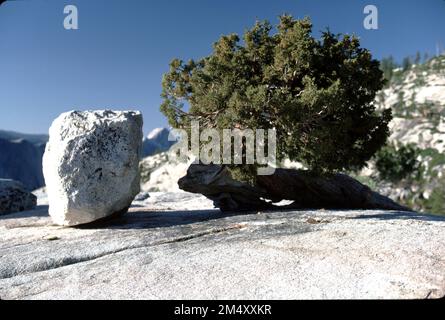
(307, 191)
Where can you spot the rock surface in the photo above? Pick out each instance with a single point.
(305, 190)
(154, 253)
(14, 197)
(91, 164)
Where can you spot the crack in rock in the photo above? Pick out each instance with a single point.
(67, 261)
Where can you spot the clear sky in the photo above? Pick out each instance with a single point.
(118, 55)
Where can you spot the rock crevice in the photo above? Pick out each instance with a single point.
(303, 254)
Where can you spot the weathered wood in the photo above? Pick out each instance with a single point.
(338, 191)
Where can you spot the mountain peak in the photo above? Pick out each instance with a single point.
(157, 132)
(156, 142)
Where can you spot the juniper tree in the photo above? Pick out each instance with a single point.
(317, 93)
(397, 163)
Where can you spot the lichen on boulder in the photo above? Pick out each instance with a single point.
(91, 164)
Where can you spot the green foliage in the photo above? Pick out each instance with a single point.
(395, 72)
(406, 63)
(436, 159)
(317, 94)
(395, 164)
(387, 65)
(418, 58)
(371, 182)
(436, 202)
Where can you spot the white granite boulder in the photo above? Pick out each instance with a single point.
(14, 197)
(91, 165)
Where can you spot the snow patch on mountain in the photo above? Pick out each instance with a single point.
(156, 142)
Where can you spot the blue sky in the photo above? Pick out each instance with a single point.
(118, 55)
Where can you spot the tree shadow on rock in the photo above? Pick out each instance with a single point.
(144, 218)
(401, 215)
(39, 211)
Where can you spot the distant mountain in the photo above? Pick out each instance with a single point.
(417, 98)
(21, 158)
(156, 142)
(33, 138)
